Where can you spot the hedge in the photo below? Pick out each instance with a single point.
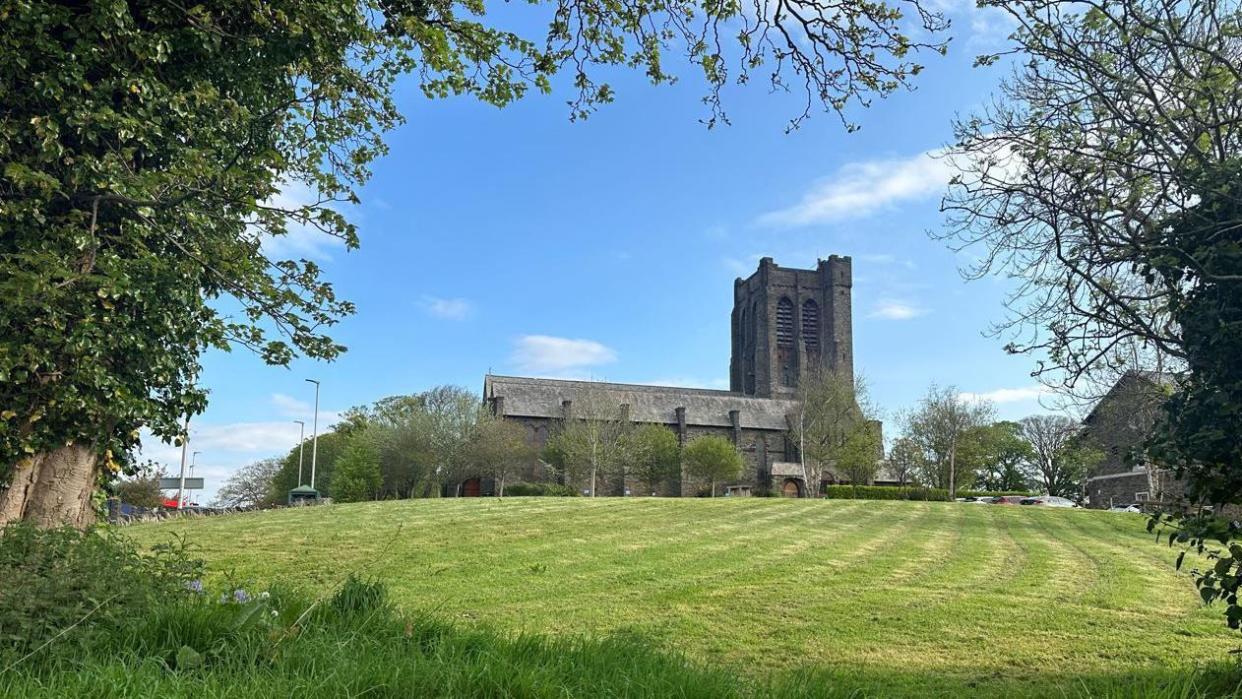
(884, 492)
(551, 489)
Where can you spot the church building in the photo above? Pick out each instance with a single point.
(786, 324)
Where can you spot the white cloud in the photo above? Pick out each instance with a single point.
(449, 309)
(860, 189)
(1007, 395)
(299, 240)
(888, 309)
(543, 353)
(290, 406)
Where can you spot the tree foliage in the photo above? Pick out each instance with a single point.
(499, 448)
(1198, 437)
(655, 455)
(142, 489)
(712, 458)
(834, 427)
(251, 485)
(358, 475)
(906, 460)
(941, 426)
(1062, 459)
(592, 445)
(998, 456)
(1114, 114)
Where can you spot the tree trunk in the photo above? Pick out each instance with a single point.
(52, 489)
(952, 471)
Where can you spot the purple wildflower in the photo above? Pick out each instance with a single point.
(194, 585)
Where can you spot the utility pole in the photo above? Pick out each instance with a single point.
(314, 433)
(185, 443)
(301, 448)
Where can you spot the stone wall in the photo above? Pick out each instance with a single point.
(759, 449)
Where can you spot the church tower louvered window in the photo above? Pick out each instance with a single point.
(810, 325)
(784, 323)
(785, 341)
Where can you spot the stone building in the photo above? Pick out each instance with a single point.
(1117, 426)
(786, 324)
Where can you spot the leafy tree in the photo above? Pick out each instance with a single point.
(499, 448)
(833, 426)
(142, 489)
(331, 444)
(656, 456)
(250, 485)
(1118, 118)
(452, 412)
(152, 149)
(1062, 458)
(1199, 435)
(941, 426)
(999, 455)
(592, 443)
(712, 458)
(358, 471)
(906, 460)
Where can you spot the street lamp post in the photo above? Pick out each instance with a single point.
(194, 462)
(314, 433)
(301, 448)
(185, 444)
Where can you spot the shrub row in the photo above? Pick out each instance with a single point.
(884, 492)
(548, 489)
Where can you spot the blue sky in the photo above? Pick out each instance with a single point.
(516, 241)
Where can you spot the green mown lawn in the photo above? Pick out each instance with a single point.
(894, 597)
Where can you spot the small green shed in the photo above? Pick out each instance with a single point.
(303, 495)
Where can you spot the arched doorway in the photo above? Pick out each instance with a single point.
(791, 488)
(471, 488)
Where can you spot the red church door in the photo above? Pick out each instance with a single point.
(470, 489)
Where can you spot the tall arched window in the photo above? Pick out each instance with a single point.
(785, 354)
(810, 325)
(784, 323)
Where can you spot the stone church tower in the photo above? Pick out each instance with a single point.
(789, 322)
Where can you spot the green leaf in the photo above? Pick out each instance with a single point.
(188, 658)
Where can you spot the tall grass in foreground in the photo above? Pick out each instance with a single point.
(355, 644)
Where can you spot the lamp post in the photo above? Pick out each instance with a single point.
(314, 433)
(194, 462)
(301, 448)
(185, 444)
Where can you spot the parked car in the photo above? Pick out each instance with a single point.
(1125, 508)
(1009, 499)
(1056, 501)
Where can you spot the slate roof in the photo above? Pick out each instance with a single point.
(533, 397)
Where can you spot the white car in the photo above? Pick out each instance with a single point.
(1125, 508)
(1055, 501)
